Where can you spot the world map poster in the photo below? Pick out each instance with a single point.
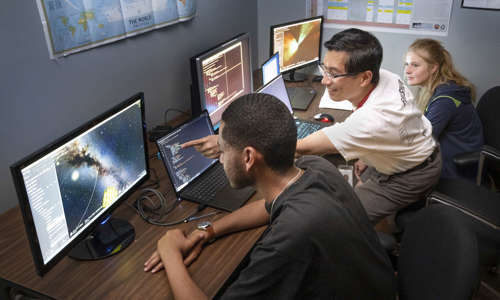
(71, 26)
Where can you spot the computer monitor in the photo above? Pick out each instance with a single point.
(298, 44)
(220, 75)
(68, 189)
(271, 68)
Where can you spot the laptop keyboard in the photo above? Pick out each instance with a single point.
(205, 190)
(306, 128)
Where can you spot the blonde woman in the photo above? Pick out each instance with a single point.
(445, 98)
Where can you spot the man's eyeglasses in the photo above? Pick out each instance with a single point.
(331, 76)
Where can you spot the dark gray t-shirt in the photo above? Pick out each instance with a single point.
(320, 245)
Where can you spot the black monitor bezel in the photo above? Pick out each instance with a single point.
(271, 42)
(176, 128)
(40, 266)
(197, 105)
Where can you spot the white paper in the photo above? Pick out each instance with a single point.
(369, 11)
(428, 17)
(326, 102)
(346, 172)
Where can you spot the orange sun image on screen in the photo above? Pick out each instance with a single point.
(300, 42)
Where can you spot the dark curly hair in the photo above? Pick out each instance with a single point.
(265, 123)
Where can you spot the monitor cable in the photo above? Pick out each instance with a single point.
(155, 211)
(154, 181)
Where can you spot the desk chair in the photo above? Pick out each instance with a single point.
(476, 200)
(487, 109)
(438, 258)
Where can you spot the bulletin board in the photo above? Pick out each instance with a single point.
(429, 17)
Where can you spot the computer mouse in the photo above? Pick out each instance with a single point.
(322, 117)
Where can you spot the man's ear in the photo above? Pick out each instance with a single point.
(251, 157)
(366, 78)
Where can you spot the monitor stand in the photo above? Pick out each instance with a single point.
(295, 77)
(300, 97)
(108, 238)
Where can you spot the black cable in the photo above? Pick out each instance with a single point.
(155, 180)
(157, 211)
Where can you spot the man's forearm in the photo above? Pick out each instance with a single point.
(249, 216)
(181, 283)
(315, 144)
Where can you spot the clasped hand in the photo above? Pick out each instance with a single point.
(176, 245)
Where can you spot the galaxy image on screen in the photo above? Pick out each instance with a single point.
(97, 167)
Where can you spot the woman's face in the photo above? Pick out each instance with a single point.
(417, 70)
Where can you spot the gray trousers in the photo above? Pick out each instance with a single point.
(383, 195)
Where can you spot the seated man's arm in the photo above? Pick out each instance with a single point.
(171, 248)
(315, 144)
(252, 215)
(206, 145)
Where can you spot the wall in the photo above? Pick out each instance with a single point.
(473, 40)
(42, 99)
(272, 12)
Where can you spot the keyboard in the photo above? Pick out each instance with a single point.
(204, 188)
(305, 128)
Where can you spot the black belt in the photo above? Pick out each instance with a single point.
(429, 159)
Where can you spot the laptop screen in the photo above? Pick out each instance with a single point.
(277, 88)
(271, 68)
(185, 165)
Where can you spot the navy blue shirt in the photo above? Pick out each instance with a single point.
(456, 125)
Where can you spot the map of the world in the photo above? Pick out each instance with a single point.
(75, 25)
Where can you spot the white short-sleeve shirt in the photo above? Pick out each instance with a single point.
(388, 132)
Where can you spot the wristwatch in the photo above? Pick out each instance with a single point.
(207, 226)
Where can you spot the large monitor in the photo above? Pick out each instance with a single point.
(68, 189)
(220, 75)
(298, 44)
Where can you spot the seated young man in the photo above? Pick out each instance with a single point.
(319, 243)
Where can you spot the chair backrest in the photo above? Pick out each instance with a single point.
(438, 258)
(488, 109)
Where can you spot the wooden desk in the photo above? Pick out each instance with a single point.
(120, 276)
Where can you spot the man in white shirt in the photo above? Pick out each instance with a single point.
(398, 159)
